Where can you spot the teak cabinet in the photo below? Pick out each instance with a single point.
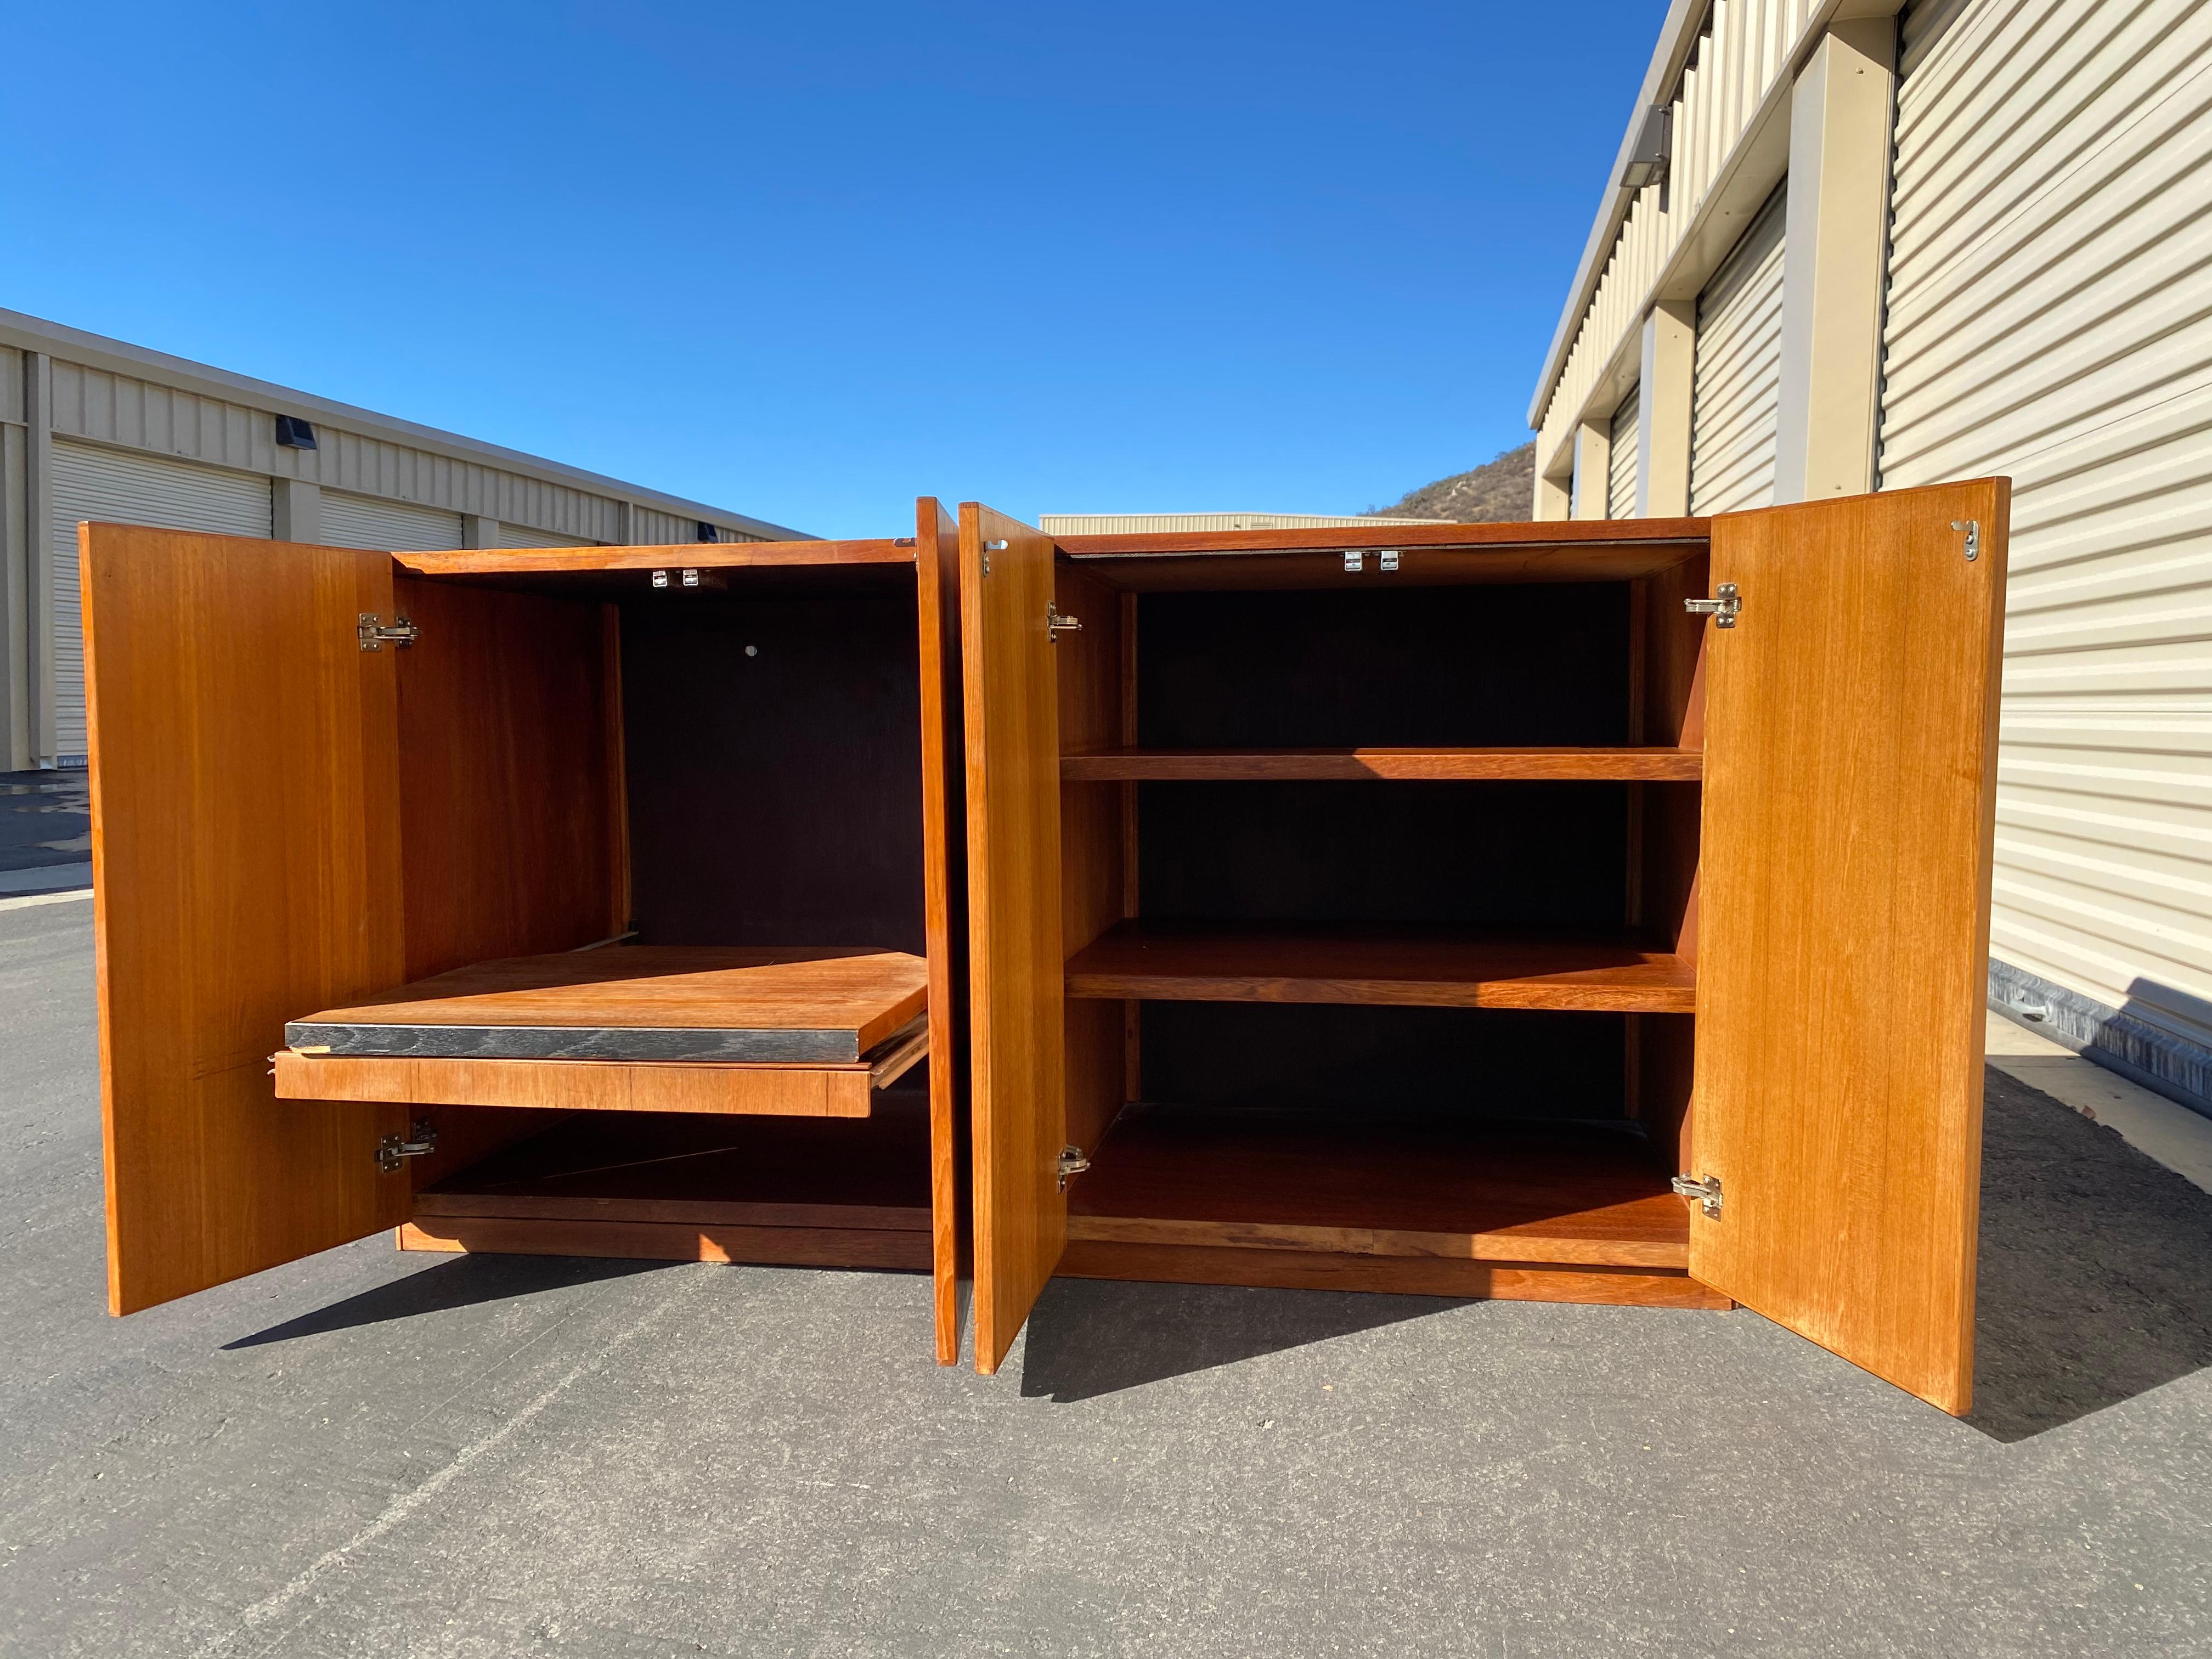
(1583, 911)
(593, 902)
(1408, 908)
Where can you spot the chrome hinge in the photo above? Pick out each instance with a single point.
(1723, 611)
(421, 1140)
(1973, 529)
(1708, 1191)
(1071, 1163)
(373, 633)
(989, 548)
(1056, 624)
(1386, 559)
(1353, 559)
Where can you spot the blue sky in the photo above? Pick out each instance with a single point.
(809, 261)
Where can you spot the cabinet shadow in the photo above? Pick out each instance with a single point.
(1089, 1337)
(2096, 1269)
(458, 1281)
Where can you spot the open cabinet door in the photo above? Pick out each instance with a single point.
(1018, 1078)
(1851, 723)
(245, 870)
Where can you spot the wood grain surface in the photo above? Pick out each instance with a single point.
(246, 865)
(666, 1241)
(867, 993)
(1356, 764)
(1495, 1281)
(682, 555)
(1211, 962)
(1018, 1079)
(1844, 927)
(1359, 1184)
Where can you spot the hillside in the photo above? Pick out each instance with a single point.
(1500, 490)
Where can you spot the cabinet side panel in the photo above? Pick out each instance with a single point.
(245, 861)
(1094, 836)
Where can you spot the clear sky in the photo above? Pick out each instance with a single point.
(808, 261)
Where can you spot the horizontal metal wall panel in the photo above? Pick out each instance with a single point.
(389, 526)
(2049, 317)
(1621, 461)
(116, 486)
(515, 535)
(1736, 377)
(1124, 524)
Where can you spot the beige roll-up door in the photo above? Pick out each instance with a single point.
(1736, 382)
(1620, 461)
(118, 487)
(515, 535)
(2049, 317)
(352, 520)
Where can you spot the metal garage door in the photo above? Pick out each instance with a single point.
(2049, 317)
(121, 488)
(395, 526)
(515, 535)
(1737, 379)
(1621, 461)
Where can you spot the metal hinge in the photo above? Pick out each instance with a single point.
(420, 1141)
(1973, 529)
(1723, 611)
(373, 633)
(1056, 624)
(688, 577)
(1707, 1190)
(989, 548)
(1072, 1161)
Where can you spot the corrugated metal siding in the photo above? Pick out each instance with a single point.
(2051, 318)
(396, 526)
(1123, 523)
(1736, 380)
(515, 535)
(1742, 63)
(117, 488)
(1621, 461)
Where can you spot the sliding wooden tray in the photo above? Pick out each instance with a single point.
(806, 1032)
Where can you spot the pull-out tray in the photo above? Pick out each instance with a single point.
(807, 1032)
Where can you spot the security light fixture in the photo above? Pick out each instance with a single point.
(707, 533)
(293, 433)
(1647, 162)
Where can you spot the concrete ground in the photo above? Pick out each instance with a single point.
(372, 1454)
(46, 831)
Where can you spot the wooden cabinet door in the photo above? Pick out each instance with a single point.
(245, 869)
(1850, 725)
(1018, 1078)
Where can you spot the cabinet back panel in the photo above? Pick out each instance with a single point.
(1444, 667)
(775, 798)
(1411, 1062)
(1509, 857)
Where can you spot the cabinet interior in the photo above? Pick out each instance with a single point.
(585, 757)
(1380, 919)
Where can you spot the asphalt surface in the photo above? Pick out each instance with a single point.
(373, 1454)
(46, 832)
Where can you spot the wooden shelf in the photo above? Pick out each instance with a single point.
(1251, 1181)
(1629, 764)
(1232, 963)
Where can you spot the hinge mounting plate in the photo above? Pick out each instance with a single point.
(1705, 1189)
(1071, 1162)
(1973, 529)
(1056, 624)
(1723, 608)
(374, 632)
(420, 1141)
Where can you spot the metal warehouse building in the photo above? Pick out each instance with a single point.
(1856, 245)
(93, 428)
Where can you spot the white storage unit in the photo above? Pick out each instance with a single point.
(1737, 378)
(350, 520)
(2049, 317)
(515, 535)
(1620, 461)
(118, 486)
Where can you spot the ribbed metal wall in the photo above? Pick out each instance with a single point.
(2051, 318)
(515, 535)
(1127, 524)
(1621, 461)
(1737, 378)
(352, 520)
(115, 487)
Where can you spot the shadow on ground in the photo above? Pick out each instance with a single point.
(1090, 1337)
(459, 1281)
(2096, 1269)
